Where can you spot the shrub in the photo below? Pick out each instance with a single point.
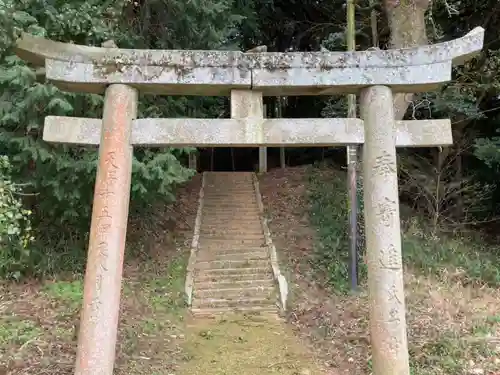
(15, 225)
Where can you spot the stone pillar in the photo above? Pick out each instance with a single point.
(248, 105)
(383, 236)
(263, 151)
(103, 277)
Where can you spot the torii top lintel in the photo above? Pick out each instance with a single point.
(193, 72)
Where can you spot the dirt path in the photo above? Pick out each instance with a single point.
(245, 345)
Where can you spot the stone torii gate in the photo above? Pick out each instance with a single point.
(120, 74)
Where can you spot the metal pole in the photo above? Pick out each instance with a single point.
(101, 300)
(352, 159)
(263, 150)
(279, 114)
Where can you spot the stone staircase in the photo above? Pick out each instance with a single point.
(232, 269)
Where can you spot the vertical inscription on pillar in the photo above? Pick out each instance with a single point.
(98, 330)
(106, 193)
(383, 238)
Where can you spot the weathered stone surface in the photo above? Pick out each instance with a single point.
(103, 275)
(83, 68)
(246, 132)
(457, 50)
(224, 272)
(36, 50)
(152, 79)
(383, 237)
(319, 81)
(247, 104)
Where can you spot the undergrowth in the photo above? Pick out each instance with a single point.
(467, 258)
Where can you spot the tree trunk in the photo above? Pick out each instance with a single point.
(407, 24)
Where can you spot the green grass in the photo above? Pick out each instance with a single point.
(329, 216)
(68, 292)
(470, 259)
(476, 261)
(17, 332)
(441, 341)
(165, 291)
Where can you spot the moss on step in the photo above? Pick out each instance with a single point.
(245, 345)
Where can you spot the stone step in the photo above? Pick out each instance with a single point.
(271, 311)
(223, 276)
(235, 225)
(206, 249)
(232, 179)
(236, 272)
(221, 243)
(231, 174)
(232, 269)
(212, 243)
(222, 205)
(208, 224)
(233, 197)
(264, 292)
(239, 230)
(229, 283)
(229, 178)
(237, 302)
(228, 191)
(228, 185)
(243, 236)
(232, 255)
(230, 211)
(231, 186)
(228, 264)
(230, 217)
(230, 233)
(230, 195)
(230, 201)
(233, 214)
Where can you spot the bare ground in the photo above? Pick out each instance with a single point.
(39, 320)
(453, 327)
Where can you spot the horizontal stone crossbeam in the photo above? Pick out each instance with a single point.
(173, 72)
(248, 132)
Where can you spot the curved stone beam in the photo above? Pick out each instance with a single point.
(457, 50)
(36, 50)
(82, 68)
(409, 70)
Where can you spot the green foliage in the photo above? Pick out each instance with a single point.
(488, 150)
(61, 178)
(15, 225)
